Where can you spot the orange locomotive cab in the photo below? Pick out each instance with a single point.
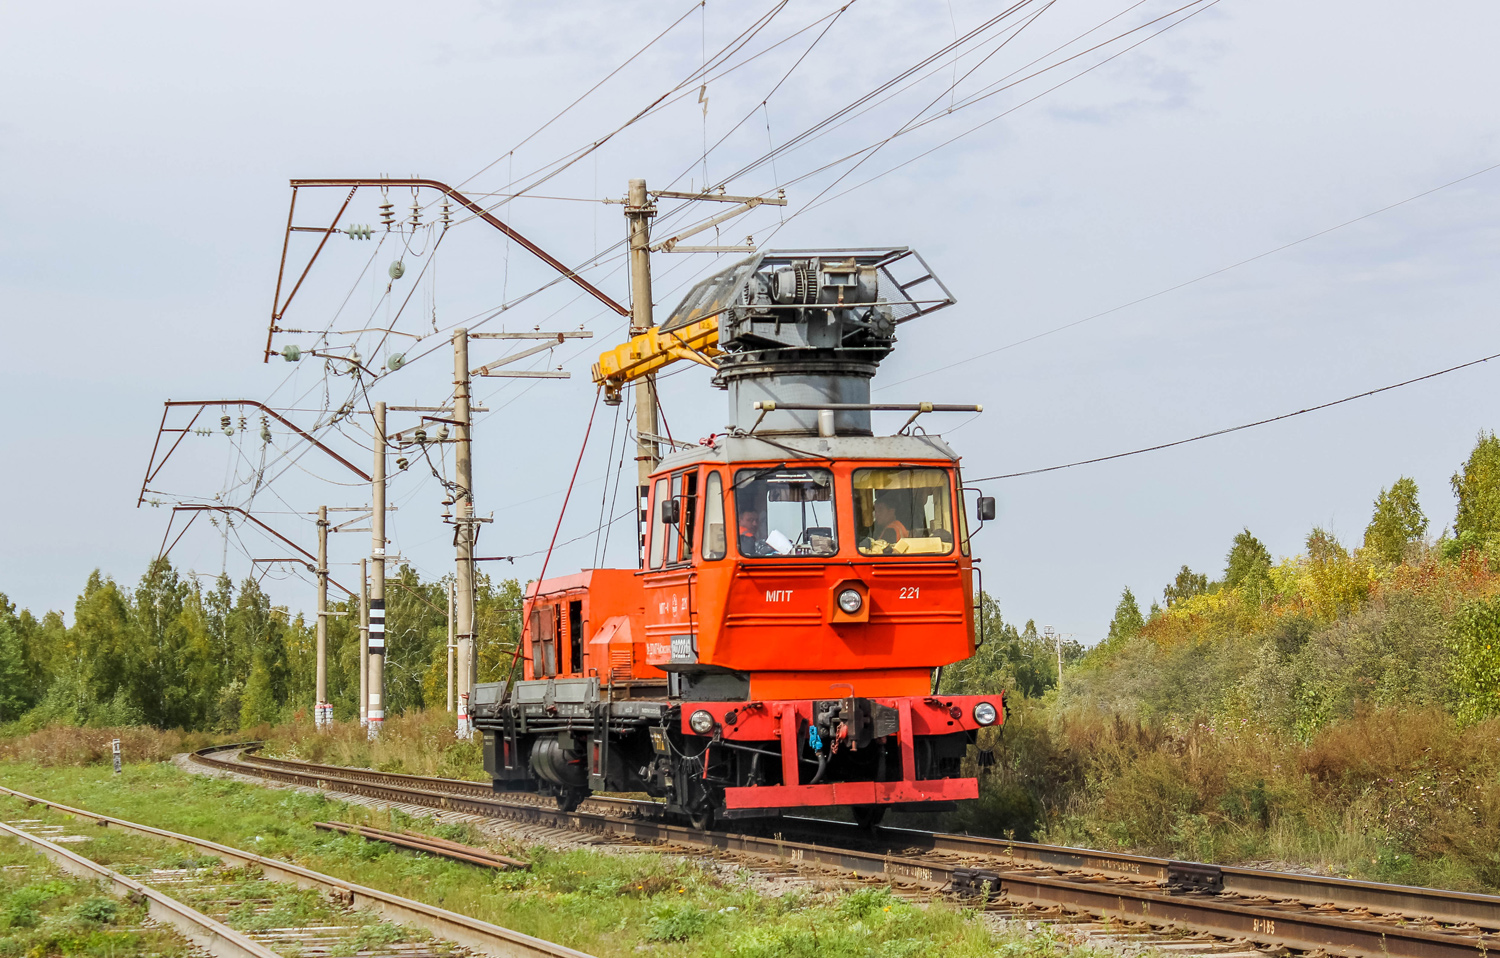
(800, 581)
(800, 604)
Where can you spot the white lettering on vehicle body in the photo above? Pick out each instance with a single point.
(778, 595)
(674, 605)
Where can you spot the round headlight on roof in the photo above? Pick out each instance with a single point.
(701, 722)
(985, 713)
(850, 601)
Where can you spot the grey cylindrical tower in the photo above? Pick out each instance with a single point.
(802, 380)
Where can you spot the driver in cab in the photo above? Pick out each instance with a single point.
(753, 534)
(887, 526)
(885, 531)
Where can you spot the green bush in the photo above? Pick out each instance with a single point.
(99, 911)
(675, 921)
(19, 916)
(1475, 667)
(865, 902)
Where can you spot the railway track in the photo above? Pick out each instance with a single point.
(1271, 909)
(202, 901)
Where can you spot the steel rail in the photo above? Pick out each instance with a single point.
(1410, 901)
(1107, 885)
(427, 844)
(212, 936)
(402, 780)
(480, 936)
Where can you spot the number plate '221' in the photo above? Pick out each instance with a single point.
(910, 592)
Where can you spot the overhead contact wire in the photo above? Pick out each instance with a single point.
(1248, 425)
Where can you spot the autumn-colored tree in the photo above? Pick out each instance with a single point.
(1339, 582)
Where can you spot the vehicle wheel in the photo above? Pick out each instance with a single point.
(868, 816)
(570, 798)
(702, 819)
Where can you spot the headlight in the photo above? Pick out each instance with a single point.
(985, 714)
(850, 601)
(703, 723)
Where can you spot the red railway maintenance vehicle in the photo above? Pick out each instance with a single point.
(801, 579)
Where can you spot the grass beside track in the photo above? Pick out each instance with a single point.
(45, 912)
(608, 904)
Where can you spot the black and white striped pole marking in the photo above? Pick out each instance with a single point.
(375, 709)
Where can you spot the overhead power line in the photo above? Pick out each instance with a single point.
(1189, 282)
(607, 77)
(1248, 425)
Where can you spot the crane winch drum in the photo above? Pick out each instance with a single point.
(806, 327)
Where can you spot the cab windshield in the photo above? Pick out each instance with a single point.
(903, 511)
(785, 512)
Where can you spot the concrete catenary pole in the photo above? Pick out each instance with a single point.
(1059, 662)
(323, 711)
(364, 642)
(638, 213)
(1056, 638)
(452, 647)
(463, 468)
(375, 709)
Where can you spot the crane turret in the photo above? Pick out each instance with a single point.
(794, 327)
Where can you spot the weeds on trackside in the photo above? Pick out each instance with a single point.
(605, 904)
(44, 912)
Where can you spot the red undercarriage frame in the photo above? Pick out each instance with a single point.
(788, 721)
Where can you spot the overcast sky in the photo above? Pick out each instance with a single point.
(146, 152)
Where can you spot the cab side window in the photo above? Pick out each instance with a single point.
(674, 532)
(715, 539)
(688, 528)
(682, 534)
(658, 528)
(575, 636)
(544, 634)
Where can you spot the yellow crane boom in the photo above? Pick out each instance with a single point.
(653, 350)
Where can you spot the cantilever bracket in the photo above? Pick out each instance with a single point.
(153, 468)
(204, 507)
(279, 307)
